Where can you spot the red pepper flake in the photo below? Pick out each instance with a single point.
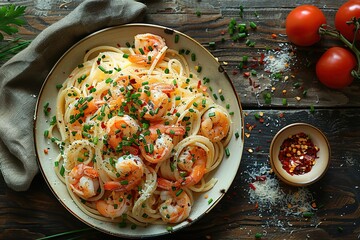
(260, 178)
(103, 125)
(261, 120)
(246, 74)
(273, 36)
(199, 84)
(281, 115)
(262, 57)
(298, 154)
(46, 151)
(222, 32)
(118, 45)
(132, 81)
(91, 87)
(252, 186)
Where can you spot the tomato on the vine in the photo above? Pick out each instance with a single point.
(345, 14)
(302, 25)
(334, 67)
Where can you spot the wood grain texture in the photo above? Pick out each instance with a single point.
(37, 213)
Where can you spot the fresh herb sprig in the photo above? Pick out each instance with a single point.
(11, 18)
(12, 47)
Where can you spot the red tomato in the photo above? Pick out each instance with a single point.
(334, 67)
(302, 25)
(344, 14)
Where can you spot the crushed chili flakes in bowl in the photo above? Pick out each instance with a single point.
(298, 154)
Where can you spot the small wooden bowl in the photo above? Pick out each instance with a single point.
(323, 155)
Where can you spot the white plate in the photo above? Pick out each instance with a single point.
(225, 173)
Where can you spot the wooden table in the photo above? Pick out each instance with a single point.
(37, 213)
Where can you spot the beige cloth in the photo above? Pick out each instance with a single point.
(22, 76)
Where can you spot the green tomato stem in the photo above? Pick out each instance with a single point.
(323, 30)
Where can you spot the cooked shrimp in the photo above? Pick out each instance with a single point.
(191, 164)
(130, 170)
(115, 205)
(215, 124)
(176, 206)
(84, 181)
(81, 110)
(157, 144)
(192, 160)
(121, 129)
(155, 100)
(147, 48)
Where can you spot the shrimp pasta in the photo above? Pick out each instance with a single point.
(138, 133)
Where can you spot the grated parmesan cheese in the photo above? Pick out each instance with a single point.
(269, 194)
(278, 61)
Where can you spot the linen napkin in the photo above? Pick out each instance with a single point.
(22, 76)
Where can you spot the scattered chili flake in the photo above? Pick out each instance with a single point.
(273, 36)
(260, 178)
(46, 151)
(298, 154)
(252, 186)
(246, 74)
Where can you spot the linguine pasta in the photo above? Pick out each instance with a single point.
(138, 133)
